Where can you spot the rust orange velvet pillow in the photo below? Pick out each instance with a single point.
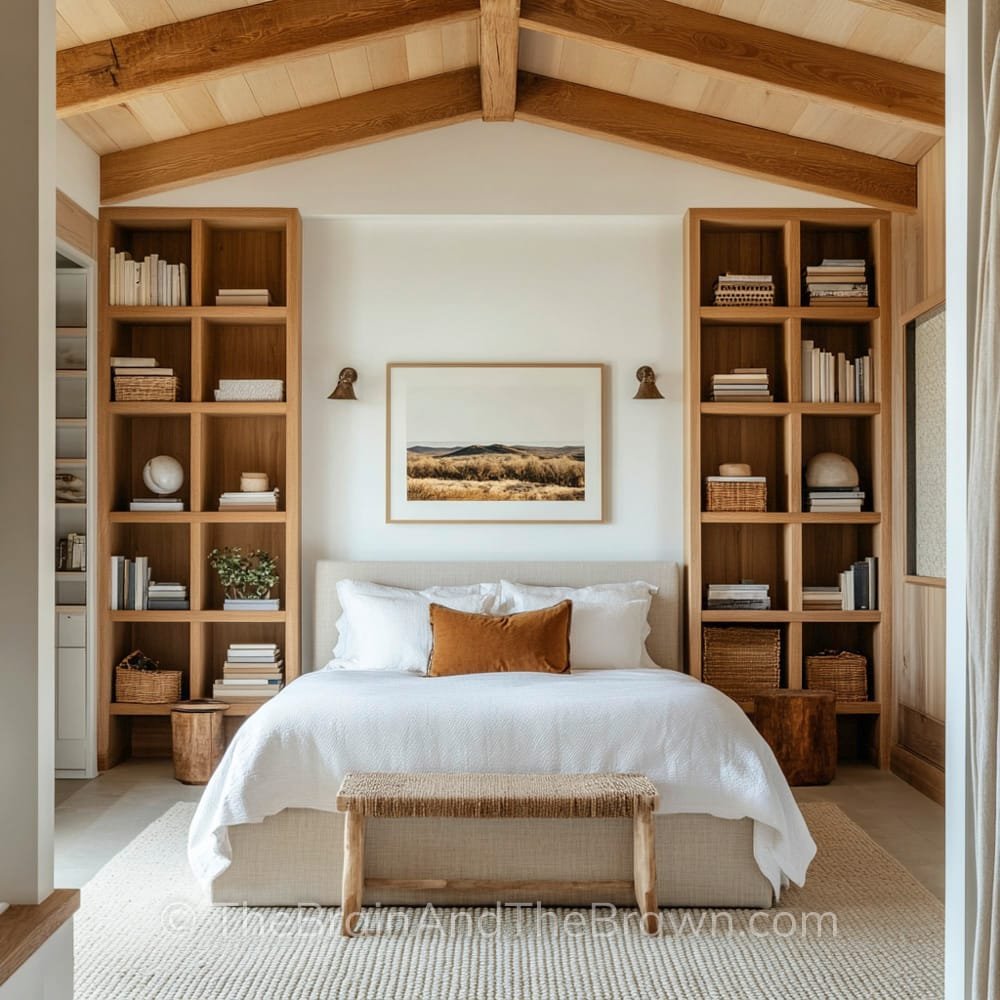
(467, 643)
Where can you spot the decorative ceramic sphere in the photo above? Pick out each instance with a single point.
(828, 469)
(163, 475)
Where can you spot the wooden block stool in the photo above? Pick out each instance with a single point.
(495, 796)
(801, 728)
(199, 739)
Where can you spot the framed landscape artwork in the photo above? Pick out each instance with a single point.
(495, 443)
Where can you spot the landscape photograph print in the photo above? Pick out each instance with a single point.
(499, 443)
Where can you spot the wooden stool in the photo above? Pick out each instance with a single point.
(801, 728)
(199, 739)
(496, 796)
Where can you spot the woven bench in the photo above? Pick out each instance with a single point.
(496, 796)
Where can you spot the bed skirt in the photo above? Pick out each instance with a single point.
(296, 857)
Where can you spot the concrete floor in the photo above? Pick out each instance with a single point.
(96, 819)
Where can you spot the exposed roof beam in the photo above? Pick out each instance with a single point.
(924, 10)
(351, 121)
(860, 82)
(498, 39)
(103, 73)
(773, 156)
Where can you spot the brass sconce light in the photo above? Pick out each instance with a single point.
(647, 384)
(345, 384)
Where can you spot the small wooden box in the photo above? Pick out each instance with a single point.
(735, 496)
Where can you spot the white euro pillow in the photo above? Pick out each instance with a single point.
(610, 621)
(388, 628)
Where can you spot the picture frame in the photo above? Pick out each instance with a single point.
(495, 443)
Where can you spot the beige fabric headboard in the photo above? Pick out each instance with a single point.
(664, 614)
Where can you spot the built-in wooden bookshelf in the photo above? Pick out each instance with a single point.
(214, 441)
(787, 547)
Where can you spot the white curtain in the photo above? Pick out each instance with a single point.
(984, 538)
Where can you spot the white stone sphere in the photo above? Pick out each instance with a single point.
(163, 475)
(831, 470)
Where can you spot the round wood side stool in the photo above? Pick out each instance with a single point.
(801, 728)
(199, 739)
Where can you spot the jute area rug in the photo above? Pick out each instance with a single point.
(862, 927)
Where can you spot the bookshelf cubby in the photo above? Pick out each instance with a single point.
(214, 442)
(788, 547)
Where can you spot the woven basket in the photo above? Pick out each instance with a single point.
(735, 496)
(741, 661)
(146, 388)
(146, 687)
(745, 295)
(843, 673)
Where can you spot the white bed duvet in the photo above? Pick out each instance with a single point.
(693, 742)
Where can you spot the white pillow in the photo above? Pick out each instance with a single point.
(388, 628)
(609, 625)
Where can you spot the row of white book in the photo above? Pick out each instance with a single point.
(835, 499)
(829, 378)
(856, 590)
(147, 282)
(253, 671)
(244, 500)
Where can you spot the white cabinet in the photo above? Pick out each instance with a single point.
(71, 708)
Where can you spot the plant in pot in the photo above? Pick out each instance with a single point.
(247, 578)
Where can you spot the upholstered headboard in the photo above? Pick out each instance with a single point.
(664, 614)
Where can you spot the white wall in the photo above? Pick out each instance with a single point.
(78, 169)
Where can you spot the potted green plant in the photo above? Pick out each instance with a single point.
(247, 578)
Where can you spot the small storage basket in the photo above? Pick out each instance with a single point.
(744, 295)
(735, 496)
(741, 661)
(844, 673)
(145, 687)
(146, 388)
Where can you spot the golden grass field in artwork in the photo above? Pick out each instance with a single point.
(495, 472)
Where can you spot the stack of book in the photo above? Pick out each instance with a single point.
(243, 297)
(742, 385)
(149, 282)
(822, 599)
(255, 390)
(252, 672)
(835, 499)
(156, 503)
(859, 586)
(167, 597)
(265, 500)
(829, 378)
(71, 553)
(838, 281)
(744, 290)
(251, 604)
(129, 583)
(746, 596)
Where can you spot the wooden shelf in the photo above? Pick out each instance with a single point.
(65, 504)
(738, 315)
(214, 442)
(743, 617)
(71, 422)
(783, 517)
(784, 409)
(71, 461)
(71, 574)
(80, 373)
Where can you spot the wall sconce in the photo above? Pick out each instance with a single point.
(345, 384)
(647, 384)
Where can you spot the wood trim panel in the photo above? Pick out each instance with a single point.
(916, 771)
(498, 44)
(932, 11)
(104, 73)
(322, 128)
(76, 226)
(893, 91)
(802, 163)
(24, 929)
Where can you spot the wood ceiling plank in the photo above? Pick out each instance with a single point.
(772, 155)
(425, 53)
(351, 69)
(889, 90)
(313, 79)
(108, 72)
(932, 11)
(272, 89)
(92, 134)
(387, 62)
(195, 107)
(66, 37)
(92, 19)
(123, 127)
(498, 42)
(460, 44)
(234, 98)
(158, 116)
(410, 107)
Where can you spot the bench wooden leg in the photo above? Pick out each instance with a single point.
(352, 890)
(644, 867)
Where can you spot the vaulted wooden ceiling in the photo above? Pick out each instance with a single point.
(841, 96)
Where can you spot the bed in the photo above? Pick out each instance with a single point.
(728, 833)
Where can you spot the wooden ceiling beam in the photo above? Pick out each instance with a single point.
(931, 11)
(773, 156)
(100, 74)
(859, 82)
(498, 45)
(351, 121)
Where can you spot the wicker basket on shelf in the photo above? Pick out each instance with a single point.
(735, 496)
(146, 388)
(842, 672)
(138, 683)
(741, 661)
